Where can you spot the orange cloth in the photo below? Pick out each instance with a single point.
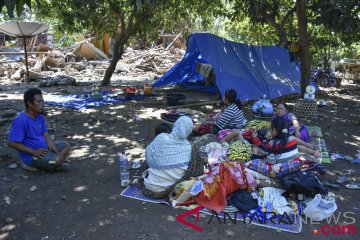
(213, 196)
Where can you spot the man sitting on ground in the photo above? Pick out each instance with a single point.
(29, 136)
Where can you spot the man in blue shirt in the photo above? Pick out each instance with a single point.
(29, 136)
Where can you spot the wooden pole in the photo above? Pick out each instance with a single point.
(26, 62)
(176, 38)
(193, 104)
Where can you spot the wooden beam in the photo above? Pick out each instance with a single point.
(193, 104)
(176, 38)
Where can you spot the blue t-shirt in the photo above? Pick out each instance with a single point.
(29, 132)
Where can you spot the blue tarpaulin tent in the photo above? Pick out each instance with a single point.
(252, 70)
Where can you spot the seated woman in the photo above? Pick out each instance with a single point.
(280, 154)
(297, 129)
(232, 117)
(170, 159)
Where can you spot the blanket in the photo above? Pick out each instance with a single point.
(134, 192)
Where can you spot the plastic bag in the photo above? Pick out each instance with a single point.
(318, 209)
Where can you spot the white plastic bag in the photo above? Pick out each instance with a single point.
(318, 209)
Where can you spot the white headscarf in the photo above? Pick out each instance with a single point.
(172, 150)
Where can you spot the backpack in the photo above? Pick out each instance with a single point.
(305, 182)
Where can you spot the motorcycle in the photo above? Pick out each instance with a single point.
(324, 78)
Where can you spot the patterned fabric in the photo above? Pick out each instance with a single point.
(258, 125)
(274, 170)
(172, 150)
(221, 180)
(206, 128)
(239, 151)
(232, 117)
(274, 153)
(223, 133)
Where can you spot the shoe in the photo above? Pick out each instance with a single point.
(28, 168)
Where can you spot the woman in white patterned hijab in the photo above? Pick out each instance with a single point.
(171, 150)
(168, 156)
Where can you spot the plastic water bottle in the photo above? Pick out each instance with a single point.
(124, 172)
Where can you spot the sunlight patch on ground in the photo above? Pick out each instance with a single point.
(4, 235)
(18, 96)
(114, 107)
(8, 227)
(136, 152)
(229, 232)
(105, 222)
(80, 188)
(80, 152)
(85, 200)
(342, 198)
(75, 137)
(170, 218)
(351, 143)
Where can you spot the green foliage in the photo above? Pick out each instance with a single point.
(250, 33)
(166, 16)
(339, 16)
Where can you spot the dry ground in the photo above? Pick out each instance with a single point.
(85, 203)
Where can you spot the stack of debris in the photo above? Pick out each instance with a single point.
(156, 59)
(84, 61)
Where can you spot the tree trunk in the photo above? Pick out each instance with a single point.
(117, 54)
(304, 44)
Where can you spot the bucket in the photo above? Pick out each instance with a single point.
(174, 99)
(148, 89)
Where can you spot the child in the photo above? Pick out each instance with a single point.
(279, 155)
(162, 128)
(282, 147)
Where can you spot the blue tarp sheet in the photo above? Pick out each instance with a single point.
(79, 102)
(252, 70)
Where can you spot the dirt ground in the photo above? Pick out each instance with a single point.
(85, 203)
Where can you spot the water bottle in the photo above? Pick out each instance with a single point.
(124, 172)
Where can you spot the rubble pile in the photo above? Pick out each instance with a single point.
(83, 61)
(155, 59)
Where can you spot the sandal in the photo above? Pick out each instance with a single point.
(353, 185)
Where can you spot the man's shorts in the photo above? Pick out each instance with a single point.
(47, 162)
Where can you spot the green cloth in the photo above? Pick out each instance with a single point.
(325, 157)
(316, 129)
